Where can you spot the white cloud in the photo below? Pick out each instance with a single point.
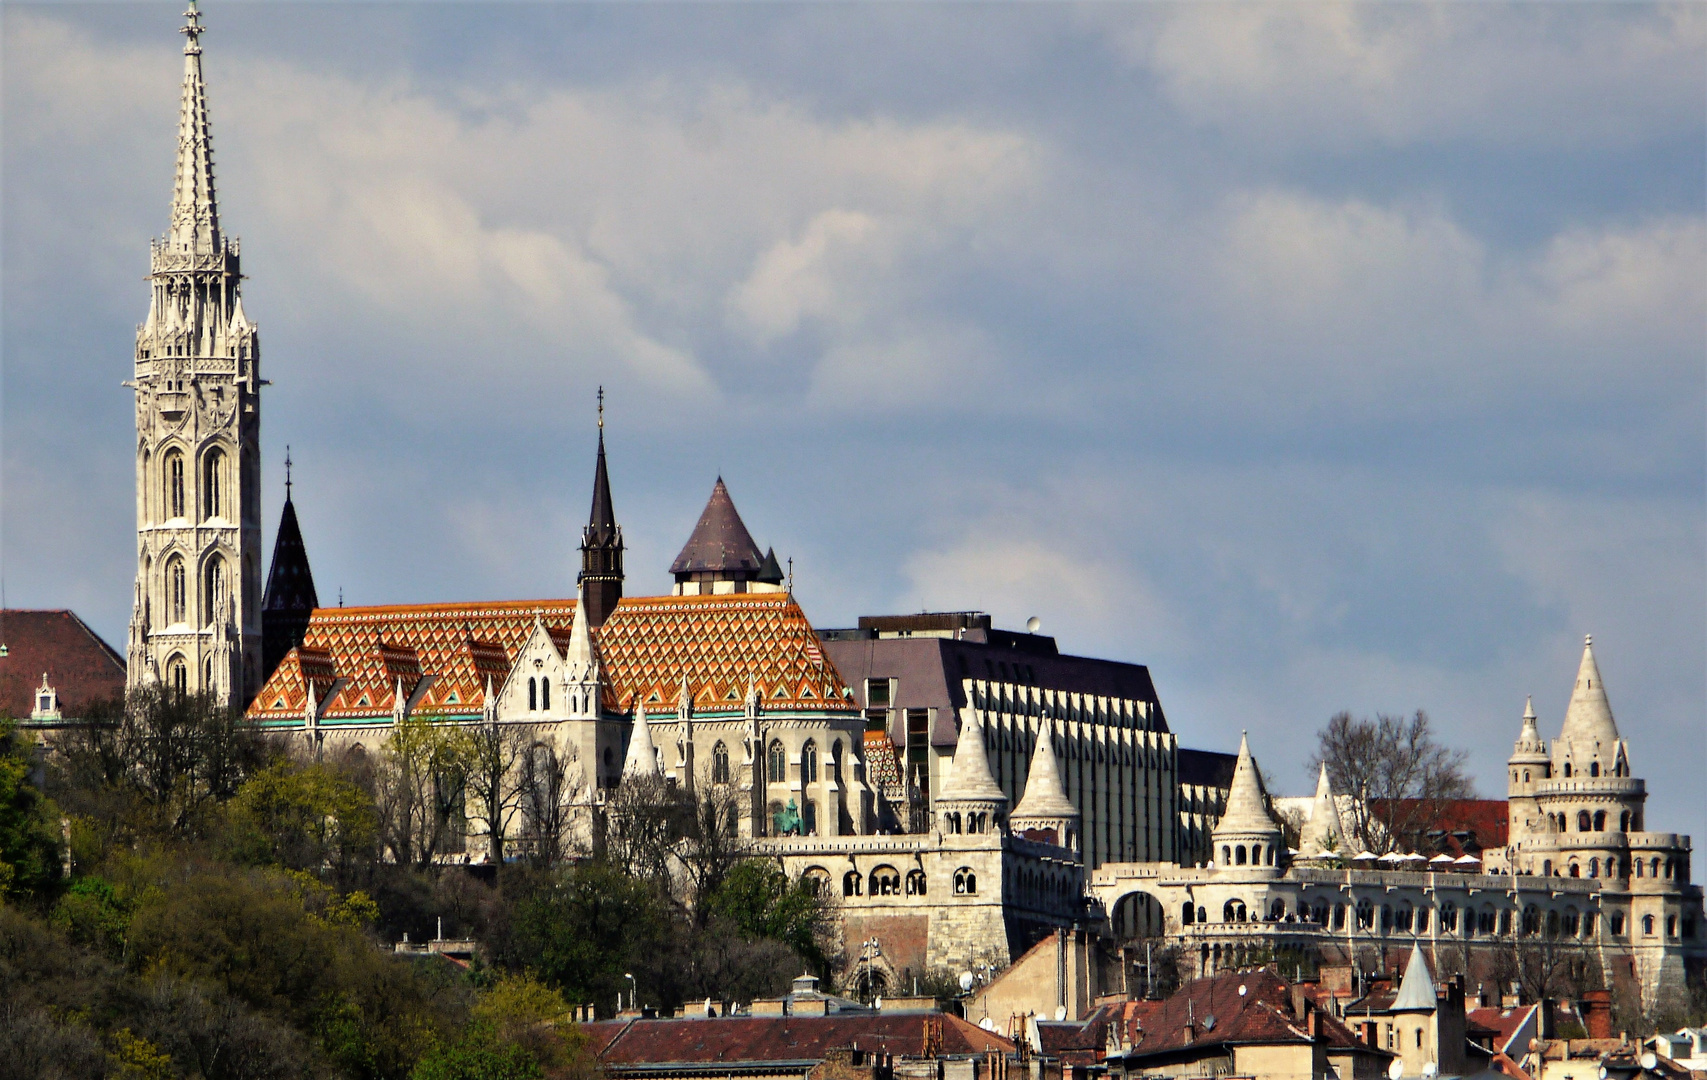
(1337, 73)
(795, 278)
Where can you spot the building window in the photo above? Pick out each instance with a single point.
(720, 763)
(213, 465)
(1624, 821)
(176, 592)
(1618, 924)
(213, 589)
(816, 879)
(1233, 911)
(776, 765)
(175, 485)
(852, 883)
(533, 695)
(1186, 914)
(877, 693)
(1582, 821)
(178, 675)
(965, 882)
(1449, 917)
(1239, 854)
(1648, 925)
(1339, 916)
(809, 762)
(1594, 768)
(915, 883)
(545, 692)
(885, 881)
(1671, 926)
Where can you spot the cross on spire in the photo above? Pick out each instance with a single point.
(287, 472)
(601, 408)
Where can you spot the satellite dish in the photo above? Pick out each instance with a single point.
(1060, 1013)
(966, 980)
(1033, 625)
(1430, 1070)
(1603, 1072)
(987, 1024)
(1209, 1022)
(1650, 1061)
(1241, 989)
(1395, 1070)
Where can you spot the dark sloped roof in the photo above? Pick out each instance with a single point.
(601, 522)
(78, 664)
(290, 583)
(720, 542)
(1454, 826)
(1206, 768)
(728, 1040)
(1263, 1014)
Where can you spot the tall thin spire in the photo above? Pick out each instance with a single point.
(195, 207)
(601, 574)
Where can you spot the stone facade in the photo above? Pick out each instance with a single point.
(1643, 931)
(196, 615)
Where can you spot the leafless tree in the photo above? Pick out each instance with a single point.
(711, 844)
(418, 791)
(1545, 963)
(553, 792)
(491, 757)
(645, 818)
(1398, 774)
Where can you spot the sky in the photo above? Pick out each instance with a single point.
(1319, 357)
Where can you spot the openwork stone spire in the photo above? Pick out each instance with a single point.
(601, 575)
(195, 207)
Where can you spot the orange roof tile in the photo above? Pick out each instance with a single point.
(647, 646)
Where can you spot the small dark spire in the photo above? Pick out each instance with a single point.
(290, 598)
(601, 541)
(770, 571)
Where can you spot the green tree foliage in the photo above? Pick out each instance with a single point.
(29, 842)
(762, 903)
(479, 1054)
(304, 817)
(591, 924)
(95, 913)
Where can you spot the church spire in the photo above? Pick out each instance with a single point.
(600, 579)
(290, 597)
(195, 208)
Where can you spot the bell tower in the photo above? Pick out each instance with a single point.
(195, 623)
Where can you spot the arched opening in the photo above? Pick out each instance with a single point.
(545, 692)
(809, 762)
(177, 591)
(178, 675)
(1624, 821)
(1583, 821)
(1600, 821)
(1187, 914)
(1648, 925)
(720, 763)
(852, 883)
(1239, 855)
(916, 883)
(965, 882)
(817, 881)
(1226, 855)
(533, 694)
(885, 881)
(213, 472)
(174, 485)
(776, 765)
(1233, 911)
(1594, 768)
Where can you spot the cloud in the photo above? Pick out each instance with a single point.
(1333, 74)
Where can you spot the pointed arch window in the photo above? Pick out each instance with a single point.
(213, 589)
(776, 763)
(178, 675)
(720, 763)
(213, 471)
(177, 591)
(533, 694)
(545, 692)
(175, 485)
(809, 763)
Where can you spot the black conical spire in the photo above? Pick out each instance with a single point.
(601, 542)
(290, 598)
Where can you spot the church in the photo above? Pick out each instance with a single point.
(959, 790)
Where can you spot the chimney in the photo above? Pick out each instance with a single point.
(1313, 1024)
(1597, 1013)
(1300, 1002)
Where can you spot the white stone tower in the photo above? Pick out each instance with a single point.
(196, 622)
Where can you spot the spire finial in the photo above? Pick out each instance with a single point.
(192, 29)
(601, 408)
(287, 472)
(791, 575)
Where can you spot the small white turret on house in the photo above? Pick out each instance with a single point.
(1044, 812)
(1248, 834)
(971, 802)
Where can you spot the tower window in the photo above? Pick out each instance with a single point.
(178, 675)
(776, 763)
(809, 762)
(176, 592)
(213, 465)
(1600, 821)
(175, 486)
(213, 590)
(1594, 768)
(720, 763)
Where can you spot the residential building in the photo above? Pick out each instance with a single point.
(54, 667)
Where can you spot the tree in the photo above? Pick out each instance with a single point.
(29, 844)
(553, 787)
(711, 846)
(644, 820)
(1399, 776)
(418, 791)
(490, 757)
(303, 817)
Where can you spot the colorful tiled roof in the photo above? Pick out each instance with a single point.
(78, 664)
(647, 646)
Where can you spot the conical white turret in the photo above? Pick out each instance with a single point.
(1416, 991)
(642, 757)
(1324, 836)
(1044, 804)
(1588, 719)
(970, 778)
(1247, 834)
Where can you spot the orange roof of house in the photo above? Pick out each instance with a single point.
(647, 646)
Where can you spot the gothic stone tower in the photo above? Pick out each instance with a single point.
(600, 579)
(196, 620)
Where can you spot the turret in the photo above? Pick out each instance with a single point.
(1588, 744)
(720, 556)
(1323, 835)
(1044, 811)
(1247, 834)
(971, 801)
